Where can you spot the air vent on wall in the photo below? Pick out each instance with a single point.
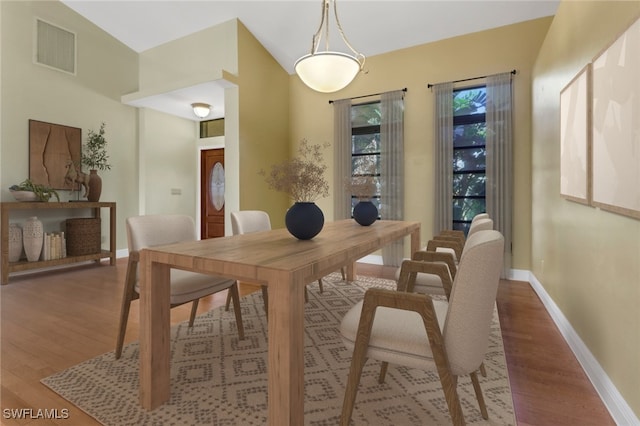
(55, 47)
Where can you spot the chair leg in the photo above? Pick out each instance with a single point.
(265, 298)
(479, 396)
(228, 302)
(128, 294)
(355, 371)
(320, 285)
(449, 384)
(194, 311)
(235, 294)
(344, 274)
(483, 370)
(383, 371)
(124, 317)
(306, 295)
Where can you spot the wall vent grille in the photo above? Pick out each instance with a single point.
(55, 47)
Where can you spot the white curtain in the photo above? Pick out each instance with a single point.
(443, 152)
(341, 157)
(499, 144)
(392, 168)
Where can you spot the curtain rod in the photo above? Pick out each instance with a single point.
(429, 86)
(366, 96)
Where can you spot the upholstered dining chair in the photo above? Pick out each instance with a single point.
(153, 230)
(414, 330)
(460, 234)
(248, 221)
(452, 241)
(445, 251)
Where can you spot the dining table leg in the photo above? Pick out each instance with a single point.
(286, 349)
(154, 333)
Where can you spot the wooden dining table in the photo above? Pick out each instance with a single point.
(275, 258)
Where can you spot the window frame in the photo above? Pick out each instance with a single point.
(359, 131)
(461, 120)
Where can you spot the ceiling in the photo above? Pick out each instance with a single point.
(285, 28)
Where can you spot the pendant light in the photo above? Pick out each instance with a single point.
(327, 71)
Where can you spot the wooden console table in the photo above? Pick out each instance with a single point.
(23, 265)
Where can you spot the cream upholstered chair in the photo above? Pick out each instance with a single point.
(248, 221)
(413, 330)
(154, 230)
(445, 251)
(460, 235)
(452, 241)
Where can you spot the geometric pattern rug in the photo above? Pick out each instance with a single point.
(217, 379)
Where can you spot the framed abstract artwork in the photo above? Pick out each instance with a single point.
(616, 125)
(53, 148)
(575, 138)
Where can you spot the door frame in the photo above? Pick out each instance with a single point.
(205, 144)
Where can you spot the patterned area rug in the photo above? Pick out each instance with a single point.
(217, 379)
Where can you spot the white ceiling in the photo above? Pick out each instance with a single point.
(285, 28)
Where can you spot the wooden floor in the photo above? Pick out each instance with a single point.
(51, 321)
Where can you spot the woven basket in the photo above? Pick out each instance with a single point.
(83, 236)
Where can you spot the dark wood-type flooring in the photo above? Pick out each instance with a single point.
(53, 320)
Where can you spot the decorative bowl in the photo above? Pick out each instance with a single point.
(24, 195)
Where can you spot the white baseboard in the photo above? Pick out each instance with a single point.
(618, 408)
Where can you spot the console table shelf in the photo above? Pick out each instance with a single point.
(7, 207)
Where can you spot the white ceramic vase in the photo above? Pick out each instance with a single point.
(15, 242)
(32, 235)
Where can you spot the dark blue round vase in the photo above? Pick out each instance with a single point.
(304, 220)
(365, 213)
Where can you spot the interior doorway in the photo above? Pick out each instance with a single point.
(212, 186)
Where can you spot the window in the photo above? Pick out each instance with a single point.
(212, 128)
(365, 145)
(469, 155)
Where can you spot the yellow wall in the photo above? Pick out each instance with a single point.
(106, 69)
(587, 259)
(264, 125)
(487, 52)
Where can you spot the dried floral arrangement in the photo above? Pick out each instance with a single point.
(363, 185)
(301, 177)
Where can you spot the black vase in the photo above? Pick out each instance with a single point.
(365, 213)
(304, 220)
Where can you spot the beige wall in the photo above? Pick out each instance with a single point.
(168, 160)
(169, 140)
(587, 259)
(487, 52)
(106, 69)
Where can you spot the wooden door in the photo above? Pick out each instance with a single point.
(212, 193)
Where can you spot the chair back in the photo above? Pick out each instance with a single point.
(480, 216)
(155, 230)
(471, 304)
(480, 225)
(247, 221)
